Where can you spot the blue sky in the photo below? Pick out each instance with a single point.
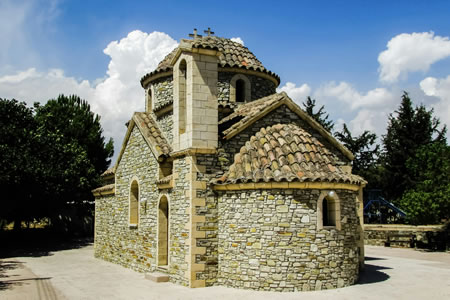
(331, 50)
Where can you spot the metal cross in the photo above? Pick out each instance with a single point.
(209, 32)
(195, 35)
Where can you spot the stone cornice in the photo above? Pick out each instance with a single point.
(287, 185)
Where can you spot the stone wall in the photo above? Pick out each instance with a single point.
(162, 92)
(208, 163)
(426, 236)
(165, 123)
(115, 240)
(178, 220)
(268, 240)
(260, 87)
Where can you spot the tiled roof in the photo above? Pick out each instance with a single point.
(285, 152)
(150, 130)
(246, 112)
(232, 54)
(109, 172)
(104, 188)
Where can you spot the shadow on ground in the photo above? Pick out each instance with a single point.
(6, 280)
(37, 243)
(373, 273)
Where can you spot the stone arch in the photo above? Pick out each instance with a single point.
(182, 109)
(240, 88)
(133, 202)
(163, 231)
(328, 210)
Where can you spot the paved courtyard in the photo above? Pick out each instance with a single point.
(76, 274)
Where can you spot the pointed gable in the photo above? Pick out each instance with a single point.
(152, 134)
(247, 114)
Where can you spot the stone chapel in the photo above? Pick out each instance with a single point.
(224, 181)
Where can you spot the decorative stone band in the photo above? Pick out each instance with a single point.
(153, 77)
(193, 151)
(162, 110)
(288, 185)
(250, 72)
(104, 190)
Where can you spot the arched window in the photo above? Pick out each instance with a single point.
(163, 231)
(328, 211)
(240, 88)
(134, 203)
(182, 112)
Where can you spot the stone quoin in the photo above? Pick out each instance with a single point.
(223, 181)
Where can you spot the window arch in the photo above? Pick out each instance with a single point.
(163, 231)
(134, 203)
(328, 211)
(182, 111)
(240, 89)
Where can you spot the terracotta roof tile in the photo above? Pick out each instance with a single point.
(305, 159)
(104, 188)
(151, 131)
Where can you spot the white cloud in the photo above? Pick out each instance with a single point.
(439, 88)
(116, 97)
(238, 40)
(410, 53)
(33, 86)
(298, 94)
(378, 97)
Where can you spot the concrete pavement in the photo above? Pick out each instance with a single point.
(75, 274)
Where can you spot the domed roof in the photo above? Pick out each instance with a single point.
(285, 152)
(232, 55)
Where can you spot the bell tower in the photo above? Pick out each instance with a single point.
(195, 74)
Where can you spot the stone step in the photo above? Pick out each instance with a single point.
(157, 277)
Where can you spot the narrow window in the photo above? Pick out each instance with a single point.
(240, 90)
(163, 231)
(149, 100)
(182, 112)
(329, 212)
(134, 203)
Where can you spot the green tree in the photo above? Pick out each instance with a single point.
(320, 116)
(407, 131)
(428, 201)
(74, 147)
(50, 158)
(366, 153)
(18, 168)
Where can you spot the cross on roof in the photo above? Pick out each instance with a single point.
(209, 32)
(195, 35)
